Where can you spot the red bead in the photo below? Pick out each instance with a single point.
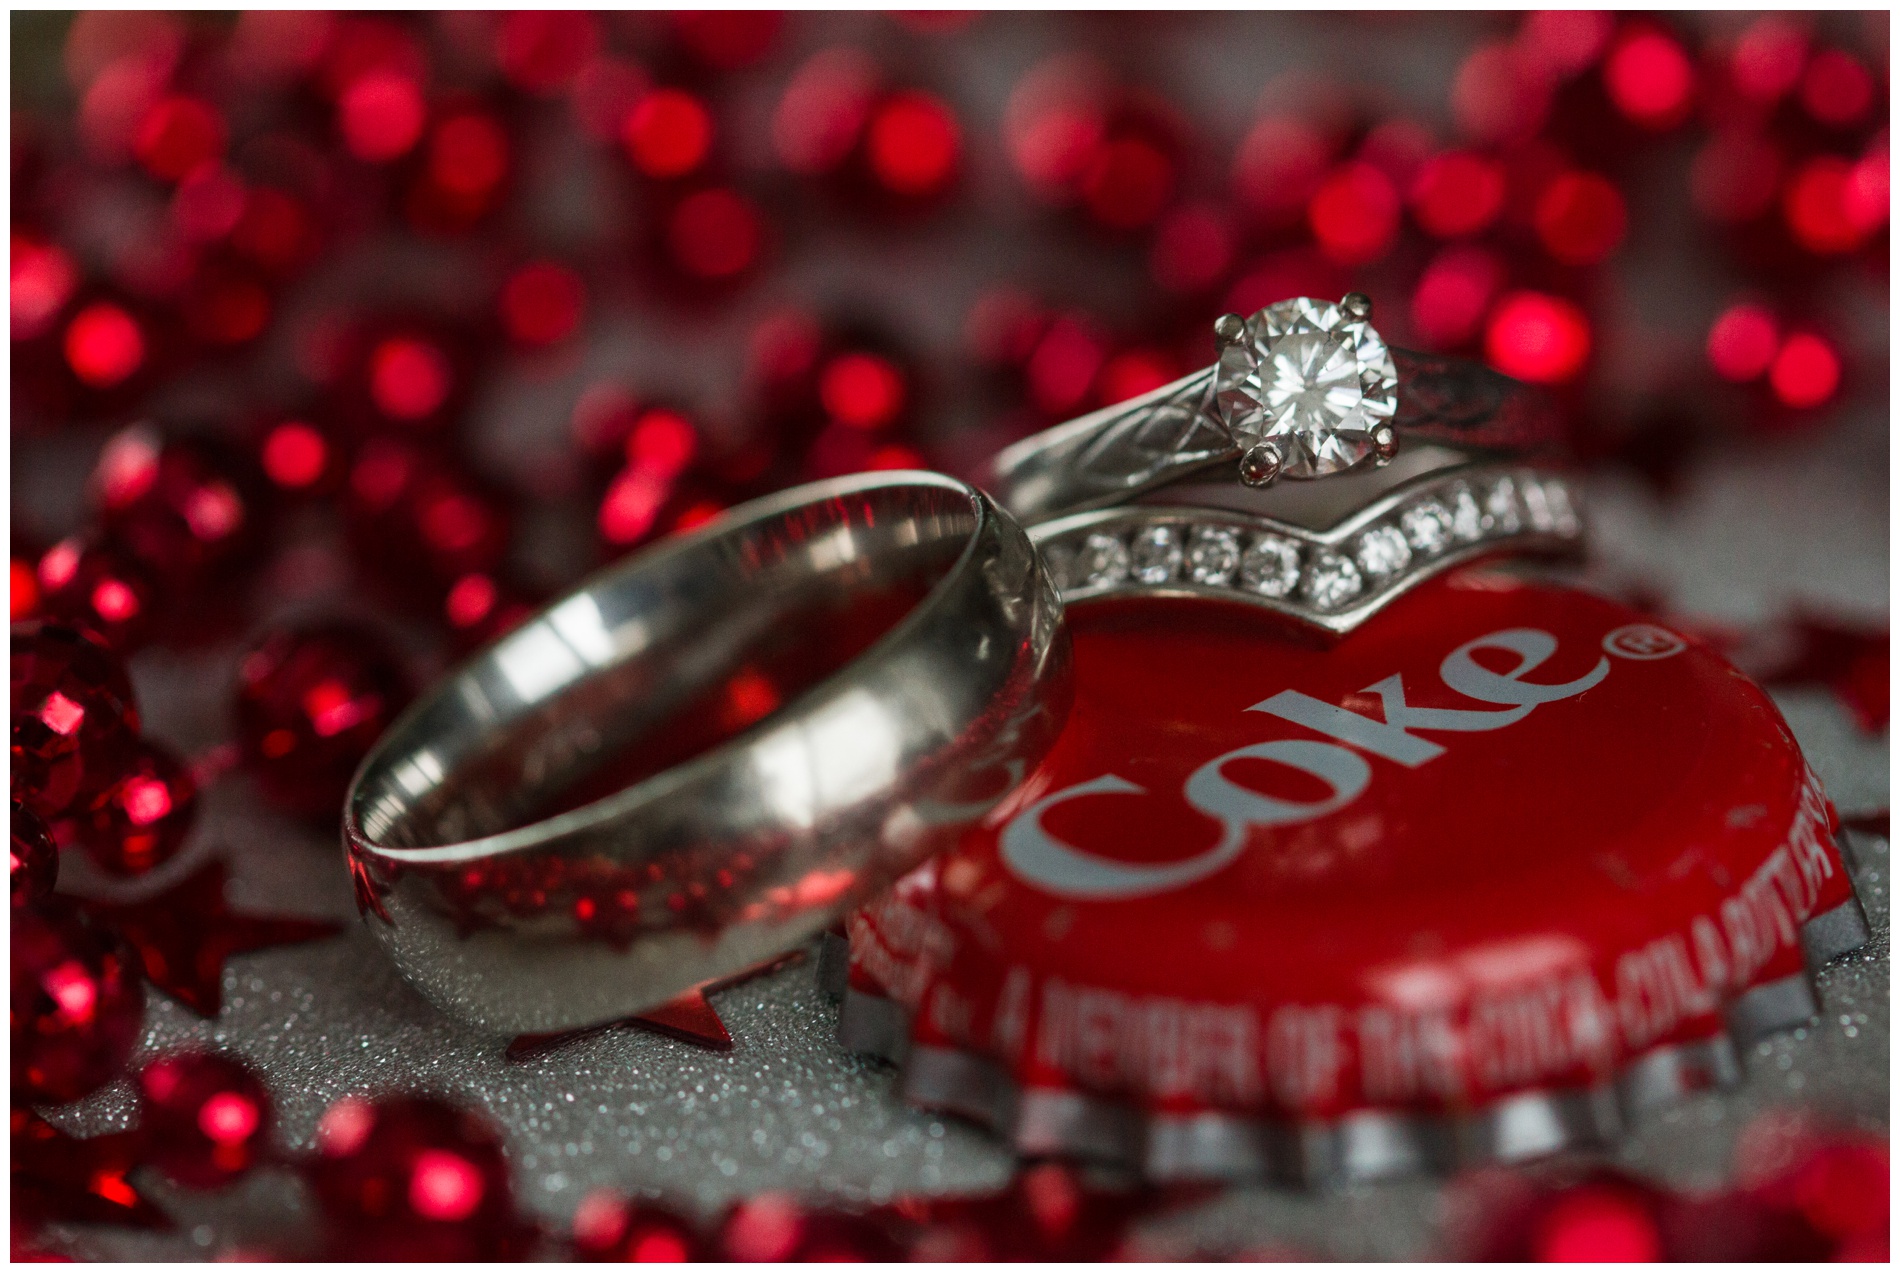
(34, 867)
(74, 719)
(142, 819)
(97, 584)
(480, 607)
(1046, 1213)
(413, 1178)
(418, 518)
(207, 1118)
(609, 1228)
(76, 1009)
(310, 702)
(189, 509)
(774, 1228)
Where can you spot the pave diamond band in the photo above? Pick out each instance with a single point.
(1332, 579)
(1304, 389)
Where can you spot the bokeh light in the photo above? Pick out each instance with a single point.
(1742, 341)
(1650, 79)
(1538, 337)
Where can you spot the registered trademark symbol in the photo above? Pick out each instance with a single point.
(1643, 641)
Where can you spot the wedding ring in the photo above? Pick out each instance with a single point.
(708, 752)
(1303, 389)
(1327, 560)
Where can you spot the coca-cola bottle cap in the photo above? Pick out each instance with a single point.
(1474, 883)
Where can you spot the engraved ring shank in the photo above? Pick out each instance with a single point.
(1112, 455)
(522, 920)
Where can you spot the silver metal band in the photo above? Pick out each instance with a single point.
(513, 900)
(1424, 520)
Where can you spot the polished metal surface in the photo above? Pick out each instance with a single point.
(519, 914)
(1174, 433)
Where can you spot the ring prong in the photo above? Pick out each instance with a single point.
(1261, 464)
(1357, 306)
(1385, 445)
(1229, 329)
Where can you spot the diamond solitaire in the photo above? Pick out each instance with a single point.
(1306, 388)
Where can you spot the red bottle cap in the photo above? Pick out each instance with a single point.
(1471, 884)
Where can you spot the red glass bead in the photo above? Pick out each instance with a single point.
(711, 235)
(1355, 213)
(34, 866)
(1649, 78)
(96, 584)
(1742, 341)
(480, 607)
(463, 174)
(189, 509)
(1806, 371)
(1580, 218)
(23, 577)
(542, 51)
(1538, 337)
(142, 819)
(727, 40)
(542, 303)
(416, 517)
(298, 457)
(44, 279)
(104, 345)
(668, 133)
(774, 1228)
(609, 1228)
(380, 115)
(310, 702)
(1046, 1213)
(206, 1117)
(413, 1178)
(76, 1008)
(73, 717)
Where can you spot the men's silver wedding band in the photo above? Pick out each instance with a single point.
(524, 920)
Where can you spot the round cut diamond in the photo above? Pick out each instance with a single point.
(1427, 527)
(1155, 554)
(1383, 552)
(1102, 562)
(1312, 380)
(1271, 566)
(1331, 581)
(1213, 555)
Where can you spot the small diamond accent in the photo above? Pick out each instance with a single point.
(1213, 554)
(1467, 519)
(1383, 553)
(1270, 566)
(1427, 527)
(1331, 581)
(1155, 554)
(1548, 505)
(1563, 514)
(1500, 508)
(1102, 562)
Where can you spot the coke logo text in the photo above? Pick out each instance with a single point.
(1040, 858)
